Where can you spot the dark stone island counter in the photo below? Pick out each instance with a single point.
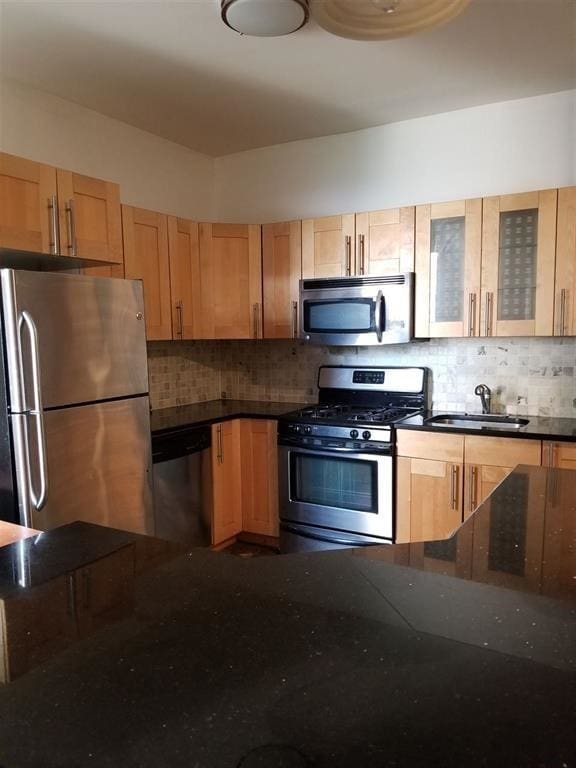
(454, 653)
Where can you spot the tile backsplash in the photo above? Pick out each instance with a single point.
(527, 376)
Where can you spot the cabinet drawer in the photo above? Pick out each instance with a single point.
(502, 451)
(430, 445)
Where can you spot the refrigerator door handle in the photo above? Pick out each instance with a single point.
(38, 498)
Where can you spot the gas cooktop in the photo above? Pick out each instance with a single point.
(351, 414)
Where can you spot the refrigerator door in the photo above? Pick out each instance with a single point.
(98, 466)
(87, 334)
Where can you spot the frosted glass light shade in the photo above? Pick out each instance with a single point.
(382, 19)
(265, 18)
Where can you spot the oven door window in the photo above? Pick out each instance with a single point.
(342, 315)
(334, 482)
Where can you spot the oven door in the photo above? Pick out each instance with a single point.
(337, 488)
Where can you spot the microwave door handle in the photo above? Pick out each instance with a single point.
(380, 315)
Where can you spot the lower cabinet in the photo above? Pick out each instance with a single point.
(489, 460)
(442, 478)
(259, 477)
(558, 454)
(429, 485)
(39, 622)
(244, 479)
(226, 481)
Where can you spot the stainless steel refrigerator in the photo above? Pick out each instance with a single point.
(74, 408)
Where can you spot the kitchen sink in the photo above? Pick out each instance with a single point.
(477, 421)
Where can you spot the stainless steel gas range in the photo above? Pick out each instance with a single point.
(336, 459)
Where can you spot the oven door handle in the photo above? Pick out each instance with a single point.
(328, 538)
(322, 451)
(380, 315)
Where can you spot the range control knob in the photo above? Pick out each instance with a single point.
(307, 429)
(366, 435)
(298, 428)
(353, 434)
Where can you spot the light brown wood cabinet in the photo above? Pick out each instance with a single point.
(489, 460)
(49, 210)
(226, 481)
(90, 218)
(518, 257)
(259, 476)
(104, 590)
(185, 283)
(559, 454)
(442, 478)
(39, 622)
(281, 273)
(27, 194)
(328, 248)
(370, 243)
(385, 241)
(565, 298)
(146, 258)
(429, 485)
(231, 274)
(244, 479)
(448, 257)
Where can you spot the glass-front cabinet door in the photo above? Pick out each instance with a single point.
(518, 258)
(448, 251)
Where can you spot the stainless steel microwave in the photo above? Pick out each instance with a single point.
(357, 311)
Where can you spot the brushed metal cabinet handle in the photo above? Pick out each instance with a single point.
(294, 319)
(256, 312)
(71, 225)
(220, 447)
(71, 585)
(488, 315)
(54, 229)
(453, 487)
(472, 314)
(180, 311)
(563, 312)
(361, 251)
(348, 248)
(473, 488)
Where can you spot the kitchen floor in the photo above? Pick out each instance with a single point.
(247, 550)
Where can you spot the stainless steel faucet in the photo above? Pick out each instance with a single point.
(485, 394)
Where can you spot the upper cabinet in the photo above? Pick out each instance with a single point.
(231, 270)
(28, 205)
(385, 242)
(518, 258)
(281, 273)
(328, 246)
(565, 299)
(58, 212)
(146, 258)
(374, 243)
(90, 219)
(448, 253)
(185, 292)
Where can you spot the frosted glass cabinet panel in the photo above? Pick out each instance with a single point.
(448, 248)
(518, 258)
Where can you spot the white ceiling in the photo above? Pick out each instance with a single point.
(174, 69)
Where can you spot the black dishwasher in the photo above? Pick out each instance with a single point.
(181, 460)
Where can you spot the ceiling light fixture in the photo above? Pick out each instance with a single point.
(265, 18)
(382, 19)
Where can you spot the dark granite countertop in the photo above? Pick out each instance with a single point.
(538, 428)
(453, 653)
(212, 411)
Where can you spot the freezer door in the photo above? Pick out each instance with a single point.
(98, 466)
(89, 333)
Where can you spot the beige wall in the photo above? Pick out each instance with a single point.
(492, 149)
(153, 173)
